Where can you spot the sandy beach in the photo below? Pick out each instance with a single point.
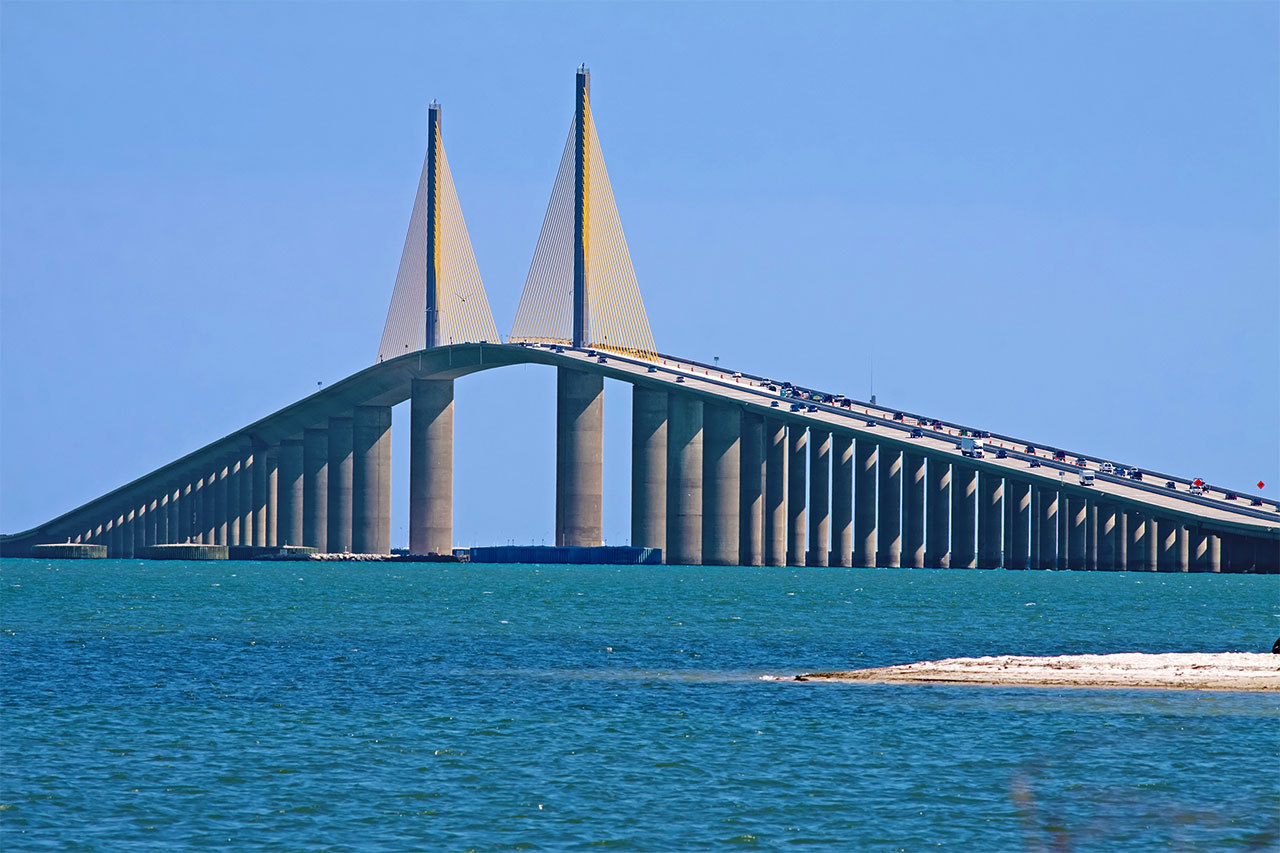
(1221, 671)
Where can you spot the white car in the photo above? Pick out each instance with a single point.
(1106, 468)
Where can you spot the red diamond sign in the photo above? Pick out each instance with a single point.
(1261, 484)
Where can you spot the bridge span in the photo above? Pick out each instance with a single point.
(724, 470)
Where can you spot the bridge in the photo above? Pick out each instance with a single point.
(727, 468)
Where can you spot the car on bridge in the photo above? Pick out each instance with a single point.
(1106, 468)
(1135, 474)
(916, 432)
(1169, 484)
(1031, 448)
(1231, 496)
(897, 416)
(1001, 453)
(1080, 463)
(1256, 502)
(1059, 456)
(1035, 463)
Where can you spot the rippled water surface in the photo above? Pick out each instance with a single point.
(451, 707)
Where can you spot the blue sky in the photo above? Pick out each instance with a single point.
(1054, 220)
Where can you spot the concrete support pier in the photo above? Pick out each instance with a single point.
(371, 480)
(819, 498)
(289, 492)
(913, 484)
(938, 507)
(247, 514)
(1108, 520)
(341, 442)
(431, 467)
(889, 516)
(315, 489)
(964, 514)
(233, 500)
(864, 503)
(721, 484)
(775, 493)
(751, 494)
(272, 513)
(579, 458)
(1044, 527)
(1017, 494)
(1077, 534)
(1151, 540)
(990, 519)
(648, 467)
(797, 465)
(842, 500)
(220, 475)
(684, 481)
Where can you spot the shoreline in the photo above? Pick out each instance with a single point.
(1249, 671)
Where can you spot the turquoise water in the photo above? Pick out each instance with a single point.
(453, 707)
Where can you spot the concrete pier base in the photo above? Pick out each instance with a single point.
(990, 519)
(751, 494)
(315, 489)
(938, 510)
(842, 500)
(1108, 531)
(1044, 527)
(371, 480)
(431, 467)
(648, 467)
(1077, 518)
(864, 503)
(913, 518)
(289, 492)
(889, 515)
(684, 481)
(964, 514)
(819, 498)
(1017, 494)
(579, 458)
(775, 493)
(721, 484)
(797, 466)
(341, 467)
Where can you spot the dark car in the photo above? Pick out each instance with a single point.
(984, 434)
(1135, 474)
(1031, 448)
(1080, 463)
(679, 379)
(1059, 456)
(1169, 484)
(1035, 463)
(1256, 502)
(1231, 496)
(653, 369)
(916, 432)
(771, 387)
(796, 407)
(774, 404)
(897, 416)
(870, 422)
(1001, 453)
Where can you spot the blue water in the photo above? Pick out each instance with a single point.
(453, 707)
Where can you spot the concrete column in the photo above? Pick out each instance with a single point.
(1044, 532)
(126, 550)
(1215, 553)
(649, 467)
(199, 515)
(431, 467)
(1091, 536)
(990, 519)
(371, 480)
(889, 516)
(1152, 539)
(1138, 545)
(819, 498)
(1167, 548)
(684, 480)
(913, 509)
(864, 503)
(139, 528)
(938, 509)
(1018, 497)
(964, 497)
(246, 497)
(175, 514)
(289, 492)
(1077, 517)
(115, 548)
(797, 463)
(233, 501)
(1108, 529)
(315, 489)
(751, 495)
(259, 500)
(341, 465)
(1064, 531)
(1122, 540)
(272, 458)
(579, 458)
(151, 527)
(1184, 549)
(1199, 549)
(161, 505)
(842, 500)
(775, 493)
(721, 484)
(221, 474)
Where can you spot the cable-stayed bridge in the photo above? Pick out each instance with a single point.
(727, 469)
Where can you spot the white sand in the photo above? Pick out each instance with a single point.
(1223, 671)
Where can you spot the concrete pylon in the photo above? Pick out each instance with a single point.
(751, 494)
(259, 500)
(938, 509)
(775, 493)
(797, 464)
(1151, 542)
(964, 497)
(581, 212)
(990, 517)
(1121, 562)
(371, 480)
(272, 496)
(315, 489)
(1108, 522)
(246, 496)
(889, 515)
(913, 487)
(1018, 497)
(233, 501)
(721, 484)
(1044, 527)
(1077, 535)
(842, 500)
(289, 492)
(684, 480)
(341, 443)
(819, 498)
(864, 503)
(648, 467)
(579, 458)
(431, 467)
(220, 507)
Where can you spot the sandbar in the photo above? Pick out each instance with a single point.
(1188, 671)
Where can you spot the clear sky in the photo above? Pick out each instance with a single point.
(1057, 220)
